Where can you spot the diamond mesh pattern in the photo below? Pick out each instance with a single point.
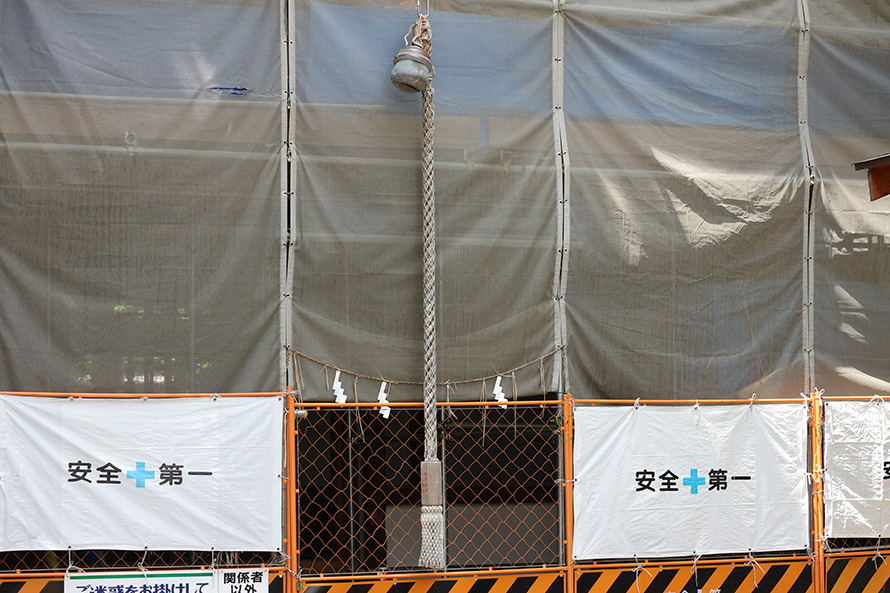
(58, 560)
(856, 544)
(359, 487)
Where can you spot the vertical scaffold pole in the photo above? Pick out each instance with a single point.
(290, 494)
(819, 574)
(568, 421)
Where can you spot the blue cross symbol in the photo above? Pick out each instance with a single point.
(694, 481)
(140, 475)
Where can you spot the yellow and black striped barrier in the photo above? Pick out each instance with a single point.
(32, 586)
(11, 584)
(857, 574)
(863, 574)
(546, 583)
(785, 577)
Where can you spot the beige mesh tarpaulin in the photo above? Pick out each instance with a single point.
(357, 279)
(139, 171)
(634, 199)
(687, 199)
(849, 88)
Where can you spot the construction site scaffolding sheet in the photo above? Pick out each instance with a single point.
(673, 481)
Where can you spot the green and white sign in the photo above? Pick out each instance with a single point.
(185, 581)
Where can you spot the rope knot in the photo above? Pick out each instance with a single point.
(423, 34)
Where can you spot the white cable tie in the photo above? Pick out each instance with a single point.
(753, 397)
(878, 552)
(214, 396)
(815, 394)
(71, 565)
(752, 562)
(695, 407)
(637, 403)
(877, 399)
(811, 477)
(640, 566)
(448, 389)
(141, 564)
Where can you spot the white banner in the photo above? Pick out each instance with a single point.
(674, 481)
(857, 469)
(130, 474)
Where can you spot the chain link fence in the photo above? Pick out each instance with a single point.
(359, 487)
(358, 502)
(74, 560)
(358, 495)
(856, 544)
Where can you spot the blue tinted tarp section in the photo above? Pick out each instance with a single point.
(484, 65)
(127, 48)
(689, 74)
(679, 74)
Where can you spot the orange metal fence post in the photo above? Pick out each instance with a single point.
(290, 489)
(568, 489)
(819, 575)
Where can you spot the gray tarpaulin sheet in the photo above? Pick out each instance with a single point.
(634, 198)
(139, 195)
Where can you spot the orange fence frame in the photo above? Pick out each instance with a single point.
(568, 436)
(290, 490)
(817, 511)
(294, 582)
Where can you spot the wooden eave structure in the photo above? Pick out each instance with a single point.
(878, 175)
